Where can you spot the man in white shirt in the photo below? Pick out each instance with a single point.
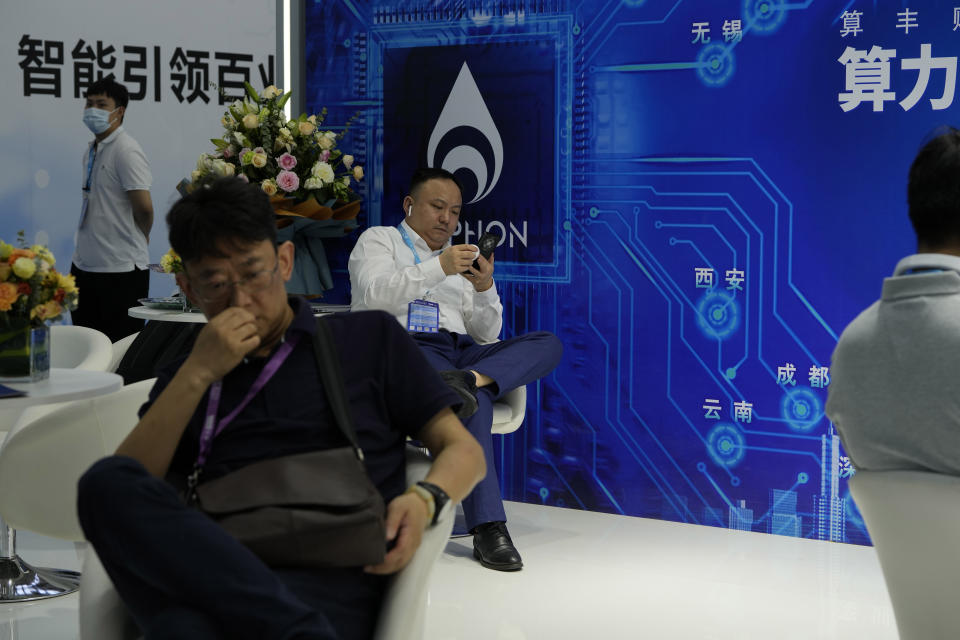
(453, 311)
(110, 259)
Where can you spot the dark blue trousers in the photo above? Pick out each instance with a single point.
(510, 363)
(182, 576)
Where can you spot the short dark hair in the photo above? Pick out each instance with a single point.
(228, 211)
(110, 88)
(423, 174)
(933, 190)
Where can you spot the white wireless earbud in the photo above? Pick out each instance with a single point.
(410, 210)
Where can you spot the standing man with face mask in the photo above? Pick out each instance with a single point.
(110, 260)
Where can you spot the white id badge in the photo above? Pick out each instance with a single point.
(423, 316)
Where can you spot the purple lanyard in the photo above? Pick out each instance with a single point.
(211, 428)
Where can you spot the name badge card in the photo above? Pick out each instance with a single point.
(423, 316)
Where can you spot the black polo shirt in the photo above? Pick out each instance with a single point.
(392, 391)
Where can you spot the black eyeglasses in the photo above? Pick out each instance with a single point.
(215, 292)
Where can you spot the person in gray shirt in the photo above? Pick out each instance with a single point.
(895, 371)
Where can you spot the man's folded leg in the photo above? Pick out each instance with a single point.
(163, 556)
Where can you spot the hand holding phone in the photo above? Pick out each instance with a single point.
(487, 243)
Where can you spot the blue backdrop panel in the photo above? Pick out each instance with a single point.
(697, 196)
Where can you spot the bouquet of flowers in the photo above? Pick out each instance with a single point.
(171, 262)
(293, 161)
(32, 292)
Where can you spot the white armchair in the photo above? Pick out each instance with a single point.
(46, 453)
(73, 347)
(119, 349)
(914, 520)
(509, 411)
(402, 615)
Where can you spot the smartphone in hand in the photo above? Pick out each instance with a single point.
(487, 243)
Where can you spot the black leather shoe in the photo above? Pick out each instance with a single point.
(493, 547)
(465, 384)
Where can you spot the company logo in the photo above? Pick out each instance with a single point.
(465, 108)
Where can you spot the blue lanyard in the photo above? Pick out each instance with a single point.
(90, 158)
(409, 243)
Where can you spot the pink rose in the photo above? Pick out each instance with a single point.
(325, 155)
(287, 162)
(243, 177)
(259, 150)
(288, 181)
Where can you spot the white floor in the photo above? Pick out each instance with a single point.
(590, 575)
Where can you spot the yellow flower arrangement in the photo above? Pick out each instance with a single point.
(31, 290)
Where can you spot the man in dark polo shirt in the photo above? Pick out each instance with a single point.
(179, 573)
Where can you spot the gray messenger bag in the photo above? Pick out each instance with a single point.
(314, 509)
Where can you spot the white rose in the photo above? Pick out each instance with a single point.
(324, 142)
(313, 182)
(348, 161)
(346, 181)
(271, 92)
(323, 171)
(358, 173)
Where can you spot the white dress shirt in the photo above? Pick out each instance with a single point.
(108, 240)
(384, 275)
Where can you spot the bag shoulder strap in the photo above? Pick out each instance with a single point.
(332, 378)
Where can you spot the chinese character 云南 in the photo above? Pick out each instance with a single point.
(712, 408)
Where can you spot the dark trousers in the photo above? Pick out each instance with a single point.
(182, 576)
(105, 298)
(510, 363)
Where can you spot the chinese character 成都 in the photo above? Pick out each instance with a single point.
(819, 377)
(785, 374)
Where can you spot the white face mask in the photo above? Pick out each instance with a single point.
(97, 120)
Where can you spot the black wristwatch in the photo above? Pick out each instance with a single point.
(440, 499)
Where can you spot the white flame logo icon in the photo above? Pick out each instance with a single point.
(465, 108)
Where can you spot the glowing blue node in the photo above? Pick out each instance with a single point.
(731, 373)
(701, 467)
(576, 29)
(725, 445)
(718, 315)
(567, 226)
(802, 409)
(734, 481)
(715, 64)
(803, 478)
(594, 212)
(763, 17)
(544, 492)
(346, 42)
